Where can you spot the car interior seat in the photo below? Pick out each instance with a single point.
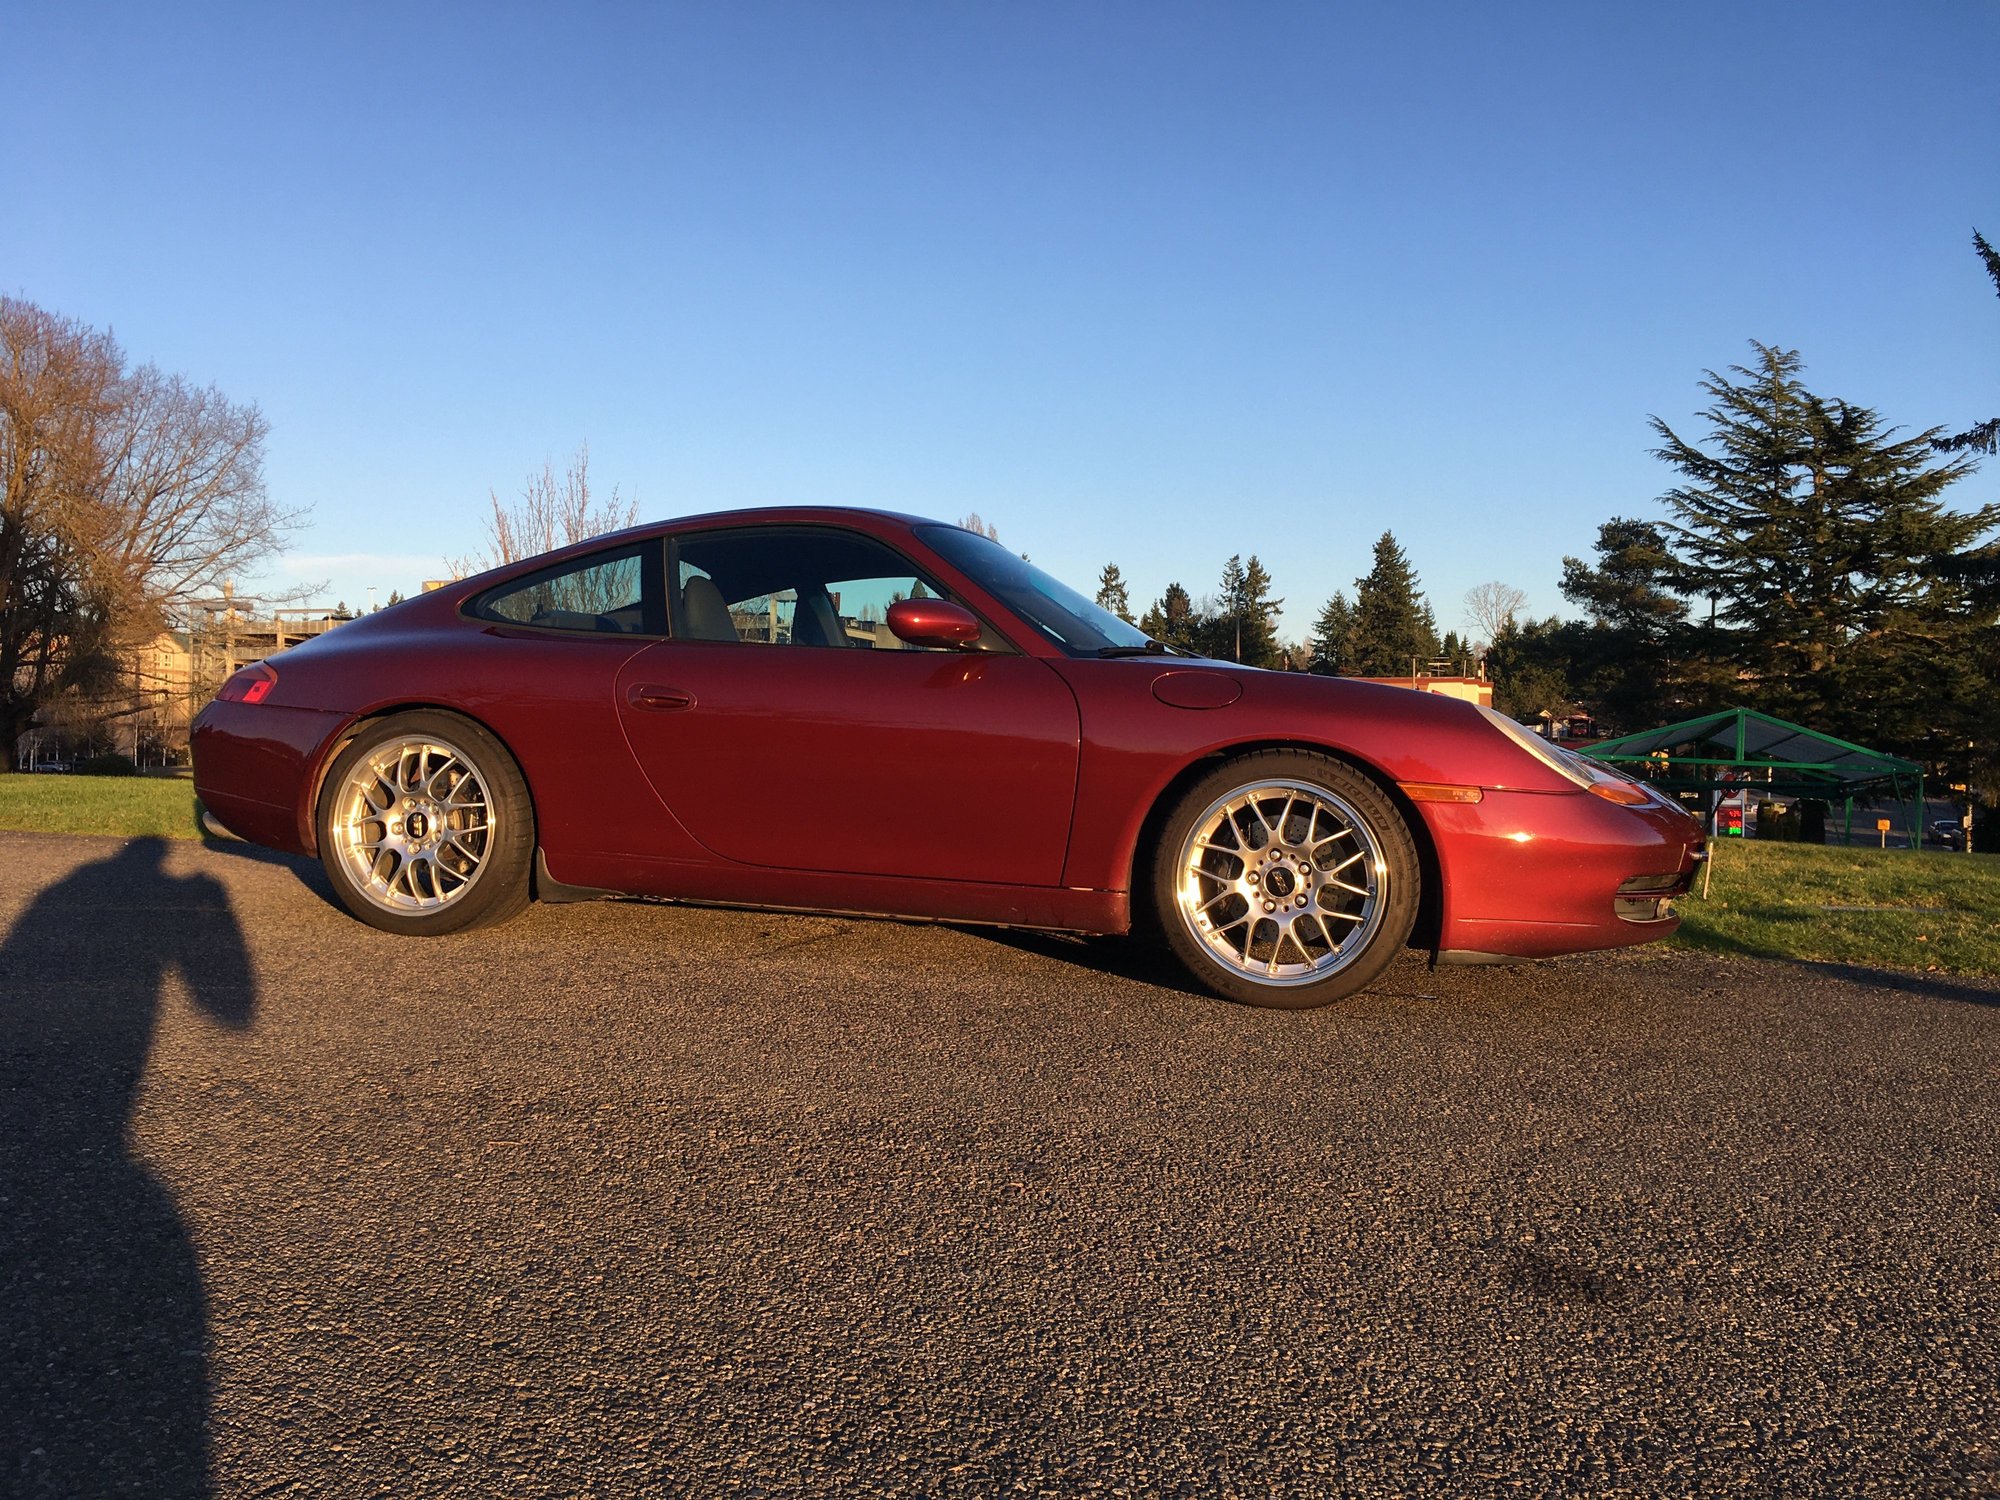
(814, 622)
(703, 612)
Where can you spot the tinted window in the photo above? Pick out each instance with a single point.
(794, 586)
(605, 594)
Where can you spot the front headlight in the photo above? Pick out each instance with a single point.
(1598, 780)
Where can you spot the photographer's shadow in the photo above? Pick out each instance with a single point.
(104, 1383)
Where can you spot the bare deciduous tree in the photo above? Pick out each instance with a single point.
(553, 511)
(974, 524)
(1491, 608)
(123, 493)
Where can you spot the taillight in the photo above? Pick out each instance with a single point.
(252, 684)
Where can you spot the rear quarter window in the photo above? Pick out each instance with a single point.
(612, 593)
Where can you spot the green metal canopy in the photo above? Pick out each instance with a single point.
(1736, 746)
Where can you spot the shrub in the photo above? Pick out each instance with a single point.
(111, 764)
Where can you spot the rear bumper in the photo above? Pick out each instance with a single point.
(254, 766)
(1532, 875)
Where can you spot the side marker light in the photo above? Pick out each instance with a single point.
(1437, 791)
(1624, 793)
(252, 684)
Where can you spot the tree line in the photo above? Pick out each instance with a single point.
(1388, 630)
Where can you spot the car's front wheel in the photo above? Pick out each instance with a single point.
(1285, 878)
(426, 827)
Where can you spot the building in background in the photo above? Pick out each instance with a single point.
(1472, 689)
(154, 686)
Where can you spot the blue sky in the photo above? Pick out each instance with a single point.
(1150, 284)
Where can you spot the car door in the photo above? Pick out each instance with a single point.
(786, 727)
(542, 673)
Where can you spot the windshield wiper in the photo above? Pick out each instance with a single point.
(1151, 648)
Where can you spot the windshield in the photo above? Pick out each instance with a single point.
(1066, 617)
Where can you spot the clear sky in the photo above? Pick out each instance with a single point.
(1145, 283)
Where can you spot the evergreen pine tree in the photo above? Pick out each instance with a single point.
(1393, 625)
(1840, 576)
(1629, 668)
(1112, 593)
(1244, 624)
(1985, 437)
(1261, 647)
(1172, 619)
(1533, 665)
(1225, 621)
(1332, 636)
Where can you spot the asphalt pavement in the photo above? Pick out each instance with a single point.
(636, 1199)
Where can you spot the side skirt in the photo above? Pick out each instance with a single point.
(1041, 908)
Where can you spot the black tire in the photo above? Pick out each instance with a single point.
(1319, 936)
(465, 891)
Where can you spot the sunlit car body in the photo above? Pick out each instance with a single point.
(853, 711)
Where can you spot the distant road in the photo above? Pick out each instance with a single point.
(630, 1199)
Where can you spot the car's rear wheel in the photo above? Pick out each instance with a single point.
(1285, 878)
(425, 826)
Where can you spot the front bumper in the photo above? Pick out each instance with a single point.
(1533, 874)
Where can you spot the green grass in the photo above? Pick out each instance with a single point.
(129, 806)
(1940, 912)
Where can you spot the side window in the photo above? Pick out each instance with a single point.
(602, 595)
(802, 586)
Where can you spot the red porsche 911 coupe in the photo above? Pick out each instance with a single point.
(851, 711)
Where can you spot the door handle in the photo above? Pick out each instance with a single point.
(662, 699)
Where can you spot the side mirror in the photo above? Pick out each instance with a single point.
(933, 622)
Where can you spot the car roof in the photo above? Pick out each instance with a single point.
(775, 515)
(873, 522)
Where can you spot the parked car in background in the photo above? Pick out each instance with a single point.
(1948, 832)
(852, 711)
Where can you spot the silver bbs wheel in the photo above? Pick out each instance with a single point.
(1282, 882)
(411, 823)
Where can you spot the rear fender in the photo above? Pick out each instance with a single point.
(315, 784)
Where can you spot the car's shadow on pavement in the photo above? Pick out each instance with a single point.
(311, 873)
(1130, 958)
(103, 1316)
(1136, 959)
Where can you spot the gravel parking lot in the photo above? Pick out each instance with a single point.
(629, 1199)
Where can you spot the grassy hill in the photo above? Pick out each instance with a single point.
(1929, 910)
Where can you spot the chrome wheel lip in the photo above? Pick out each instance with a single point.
(1292, 900)
(412, 825)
